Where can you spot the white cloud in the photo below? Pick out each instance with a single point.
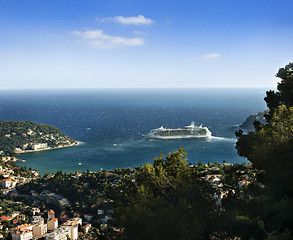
(139, 20)
(98, 39)
(212, 55)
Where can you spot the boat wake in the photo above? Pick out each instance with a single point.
(224, 139)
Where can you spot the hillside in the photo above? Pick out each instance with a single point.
(20, 136)
(248, 123)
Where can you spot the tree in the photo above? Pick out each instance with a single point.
(270, 149)
(167, 201)
(284, 95)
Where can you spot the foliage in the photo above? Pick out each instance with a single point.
(167, 201)
(20, 134)
(284, 95)
(270, 149)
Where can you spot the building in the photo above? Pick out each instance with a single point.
(6, 183)
(75, 220)
(37, 220)
(51, 214)
(88, 216)
(59, 234)
(72, 226)
(52, 224)
(22, 227)
(86, 228)
(243, 183)
(35, 210)
(14, 214)
(63, 217)
(22, 235)
(39, 146)
(22, 232)
(5, 218)
(39, 230)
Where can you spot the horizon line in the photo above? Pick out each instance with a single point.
(140, 88)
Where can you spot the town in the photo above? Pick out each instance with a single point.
(75, 205)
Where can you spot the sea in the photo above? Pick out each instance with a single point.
(112, 124)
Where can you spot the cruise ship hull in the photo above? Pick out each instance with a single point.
(180, 133)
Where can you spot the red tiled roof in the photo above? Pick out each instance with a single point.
(5, 218)
(5, 180)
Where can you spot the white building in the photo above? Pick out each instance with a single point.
(37, 220)
(72, 226)
(22, 235)
(6, 183)
(22, 232)
(40, 146)
(75, 220)
(35, 210)
(59, 234)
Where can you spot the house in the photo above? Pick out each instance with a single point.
(78, 214)
(62, 203)
(51, 214)
(35, 210)
(88, 217)
(227, 164)
(34, 173)
(86, 228)
(105, 219)
(100, 211)
(63, 217)
(5, 218)
(39, 230)
(6, 183)
(243, 183)
(14, 214)
(34, 193)
(103, 227)
(58, 234)
(213, 177)
(219, 196)
(52, 224)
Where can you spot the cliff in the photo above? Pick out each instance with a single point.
(248, 123)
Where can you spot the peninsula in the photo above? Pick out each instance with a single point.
(25, 136)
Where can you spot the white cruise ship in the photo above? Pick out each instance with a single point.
(190, 131)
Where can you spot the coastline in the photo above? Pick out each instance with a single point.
(76, 143)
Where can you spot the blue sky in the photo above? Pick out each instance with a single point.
(143, 43)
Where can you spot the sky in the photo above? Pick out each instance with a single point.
(143, 43)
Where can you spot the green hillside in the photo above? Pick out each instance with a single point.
(20, 136)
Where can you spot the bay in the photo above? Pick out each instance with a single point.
(112, 123)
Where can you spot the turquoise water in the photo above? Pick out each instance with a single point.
(101, 118)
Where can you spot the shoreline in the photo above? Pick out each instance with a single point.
(77, 143)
